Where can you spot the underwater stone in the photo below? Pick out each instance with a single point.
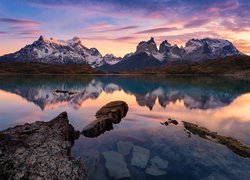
(116, 165)
(140, 157)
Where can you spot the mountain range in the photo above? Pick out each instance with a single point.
(147, 55)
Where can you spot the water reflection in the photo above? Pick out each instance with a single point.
(196, 93)
(219, 104)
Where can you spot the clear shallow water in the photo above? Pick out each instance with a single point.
(219, 104)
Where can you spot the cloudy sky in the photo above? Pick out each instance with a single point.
(116, 26)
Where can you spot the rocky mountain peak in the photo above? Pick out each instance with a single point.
(152, 40)
(74, 41)
(148, 47)
(41, 38)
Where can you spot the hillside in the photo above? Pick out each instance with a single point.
(39, 68)
(234, 65)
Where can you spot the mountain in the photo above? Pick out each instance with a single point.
(197, 50)
(147, 55)
(237, 65)
(51, 51)
(111, 59)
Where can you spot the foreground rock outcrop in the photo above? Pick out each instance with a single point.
(110, 114)
(41, 150)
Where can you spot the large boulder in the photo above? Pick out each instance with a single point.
(110, 114)
(41, 150)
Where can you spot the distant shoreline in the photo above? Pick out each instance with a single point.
(236, 66)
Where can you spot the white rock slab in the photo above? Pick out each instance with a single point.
(140, 157)
(116, 165)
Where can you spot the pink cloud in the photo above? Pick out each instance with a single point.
(157, 30)
(19, 21)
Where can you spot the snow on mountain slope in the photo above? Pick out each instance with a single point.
(53, 51)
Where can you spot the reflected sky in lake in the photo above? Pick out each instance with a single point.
(219, 104)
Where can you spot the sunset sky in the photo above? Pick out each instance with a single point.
(116, 26)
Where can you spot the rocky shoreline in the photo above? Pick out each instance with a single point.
(41, 150)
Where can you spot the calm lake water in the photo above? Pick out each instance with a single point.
(219, 104)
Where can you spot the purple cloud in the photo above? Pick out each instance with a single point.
(19, 21)
(196, 23)
(157, 30)
(3, 32)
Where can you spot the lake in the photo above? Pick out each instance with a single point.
(220, 104)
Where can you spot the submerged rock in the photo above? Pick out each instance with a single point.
(41, 150)
(140, 157)
(124, 147)
(157, 167)
(116, 165)
(233, 144)
(110, 114)
(154, 171)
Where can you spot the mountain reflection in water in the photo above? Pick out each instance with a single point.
(196, 93)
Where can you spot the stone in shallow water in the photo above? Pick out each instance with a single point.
(140, 157)
(154, 171)
(110, 114)
(157, 166)
(157, 161)
(215, 176)
(116, 165)
(124, 147)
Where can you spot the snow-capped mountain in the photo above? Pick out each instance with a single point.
(53, 51)
(208, 48)
(111, 59)
(194, 50)
(147, 55)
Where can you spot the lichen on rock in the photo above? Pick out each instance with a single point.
(41, 150)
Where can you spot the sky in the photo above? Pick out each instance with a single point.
(117, 26)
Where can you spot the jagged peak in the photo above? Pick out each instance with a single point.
(165, 43)
(74, 41)
(41, 38)
(151, 40)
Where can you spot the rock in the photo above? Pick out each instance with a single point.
(111, 113)
(157, 167)
(154, 171)
(172, 121)
(41, 150)
(158, 162)
(231, 143)
(165, 123)
(116, 165)
(215, 176)
(140, 157)
(99, 173)
(124, 147)
(115, 110)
